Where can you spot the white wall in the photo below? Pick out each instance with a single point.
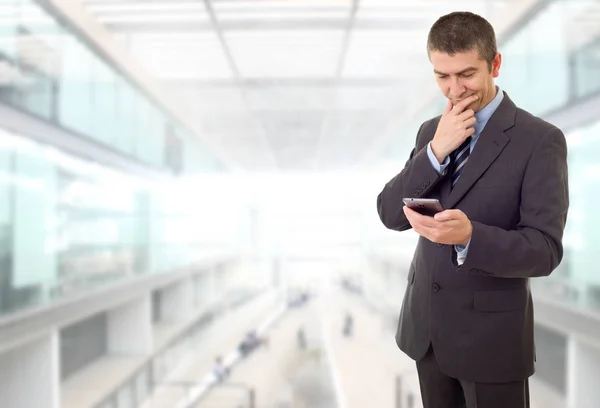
(29, 375)
(130, 328)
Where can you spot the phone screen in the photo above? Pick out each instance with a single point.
(428, 207)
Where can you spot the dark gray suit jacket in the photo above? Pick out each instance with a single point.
(479, 316)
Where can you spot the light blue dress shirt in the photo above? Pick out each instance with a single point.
(482, 117)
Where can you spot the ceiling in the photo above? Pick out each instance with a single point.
(296, 85)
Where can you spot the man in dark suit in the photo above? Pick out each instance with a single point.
(501, 175)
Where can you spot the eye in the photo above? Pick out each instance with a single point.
(442, 76)
(467, 75)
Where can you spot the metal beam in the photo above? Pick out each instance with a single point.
(81, 24)
(21, 327)
(250, 12)
(46, 132)
(216, 26)
(338, 74)
(266, 25)
(103, 2)
(576, 113)
(566, 318)
(237, 76)
(346, 41)
(289, 82)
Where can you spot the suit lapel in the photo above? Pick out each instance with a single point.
(490, 144)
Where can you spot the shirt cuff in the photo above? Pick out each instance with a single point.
(461, 252)
(439, 168)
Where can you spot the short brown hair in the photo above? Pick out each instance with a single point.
(463, 31)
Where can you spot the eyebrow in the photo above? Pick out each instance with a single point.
(459, 73)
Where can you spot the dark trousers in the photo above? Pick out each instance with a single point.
(440, 391)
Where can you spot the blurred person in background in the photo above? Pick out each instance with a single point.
(251, 342)
(501, 175)
(348, 327)
(220, 371)
(301, 338)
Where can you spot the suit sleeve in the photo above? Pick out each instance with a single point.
(534, 248)
(415, 181)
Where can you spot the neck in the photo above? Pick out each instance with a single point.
(490, 97)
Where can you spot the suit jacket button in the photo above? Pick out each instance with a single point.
(436, 287)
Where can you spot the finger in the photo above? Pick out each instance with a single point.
(469, 132)
(410, 216)
(429, 233)
(422, 230)
(410, 213)
(470, 122)
(418, 220)
(448, 215)
(449, 107)
(462, 105)
(468, 114)
(426, 221)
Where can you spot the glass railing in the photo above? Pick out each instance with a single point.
(570, 291)
(47, 70)
(586, 69)
(544, 52)
(68, 225)
(140, 385)
(156, 369)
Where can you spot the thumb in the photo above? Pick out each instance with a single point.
(446, 215)
(449, 107)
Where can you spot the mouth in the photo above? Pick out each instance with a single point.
(462, 99)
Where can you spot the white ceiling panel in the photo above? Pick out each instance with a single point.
(386, 54)
(283, 15)
(437, 7)
(241, 134)
(426, 12)
(181, 55)
(290, 98)
(207, 99)
(284, 54)
(224, 126)
(298, 84)
(347, 135)
(373, 98)
(124, 7)
(150, 18)
(252, 5)
(584, 22)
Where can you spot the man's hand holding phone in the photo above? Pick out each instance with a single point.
(450, 227)
(455, 126)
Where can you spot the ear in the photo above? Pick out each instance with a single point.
(496, 63)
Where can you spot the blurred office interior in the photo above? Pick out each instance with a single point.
(179, 174)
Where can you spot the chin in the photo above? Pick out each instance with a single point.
(475, 106)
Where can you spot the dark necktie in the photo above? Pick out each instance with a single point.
(461, 155)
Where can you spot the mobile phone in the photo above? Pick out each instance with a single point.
(425, 206)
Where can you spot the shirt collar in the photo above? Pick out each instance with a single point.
(488, 110)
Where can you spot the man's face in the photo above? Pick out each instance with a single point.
(464, 74)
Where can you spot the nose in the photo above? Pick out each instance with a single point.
(457, 90)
